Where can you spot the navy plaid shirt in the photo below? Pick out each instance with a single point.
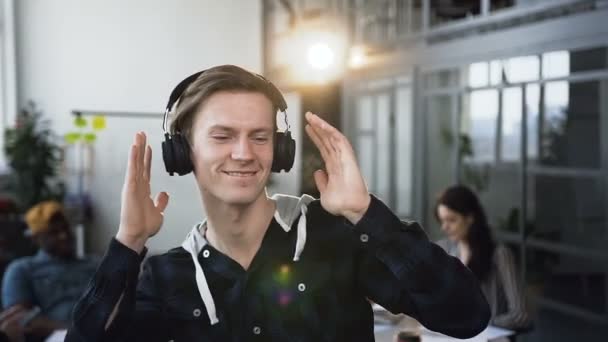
(322, 297)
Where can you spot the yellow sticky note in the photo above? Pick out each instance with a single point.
(99, 122)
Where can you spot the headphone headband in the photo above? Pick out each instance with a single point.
(277, 98)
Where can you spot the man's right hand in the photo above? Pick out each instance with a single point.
(10, 322)
(140, 217)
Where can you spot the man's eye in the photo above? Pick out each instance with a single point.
(260, 139)
(220, 137)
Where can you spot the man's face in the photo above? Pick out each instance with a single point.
(232, 146)
(58, 240)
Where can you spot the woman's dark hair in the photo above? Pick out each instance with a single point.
(462, 200)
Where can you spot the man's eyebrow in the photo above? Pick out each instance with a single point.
(231, 130)
(262, 130)
(221, 128)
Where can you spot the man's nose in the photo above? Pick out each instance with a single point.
(241, 150)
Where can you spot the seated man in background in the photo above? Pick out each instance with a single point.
(50, 282)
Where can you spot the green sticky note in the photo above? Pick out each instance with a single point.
(79, 121)
(90, 137)
(72, 137)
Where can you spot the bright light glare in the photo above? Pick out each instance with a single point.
(320, 56)
(314, 56)
(357, 57)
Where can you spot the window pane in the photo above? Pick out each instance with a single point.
(522, 69)
(365, 156)
(564, 63)
(409, 16)
(478, 74)
(590, 59)
(442, 12)
(383, 148)
(571, 124)
(440, 152)
(441, 79)
(478, 125)
(495, 72)
(404, 151)
(556, 64)
(500, 5)
(499, 189)
(511, 124)
(532, 107)
(567, 209)
(365, 114)
(568, 279)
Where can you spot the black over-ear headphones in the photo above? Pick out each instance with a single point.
(176, 150)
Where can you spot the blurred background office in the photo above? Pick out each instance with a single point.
(509, 97)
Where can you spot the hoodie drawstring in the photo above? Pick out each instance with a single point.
(301, 234)
(192, 245)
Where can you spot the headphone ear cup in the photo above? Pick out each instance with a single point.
(284, 152)
(182, 155)
(176, 154)
(168, 157)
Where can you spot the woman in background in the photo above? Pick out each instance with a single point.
(469, 238)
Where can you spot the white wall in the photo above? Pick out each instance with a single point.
(126, 55)
(8, 75)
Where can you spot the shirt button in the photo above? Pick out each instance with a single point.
(364, 237)
(257, 330)
(196, 312)
(206, 253)
(301, 287)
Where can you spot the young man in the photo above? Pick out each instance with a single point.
(45, 287)
(260, 268)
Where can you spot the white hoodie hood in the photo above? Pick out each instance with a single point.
(287, 211)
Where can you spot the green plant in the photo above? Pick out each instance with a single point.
(34, 159)
(475, 175)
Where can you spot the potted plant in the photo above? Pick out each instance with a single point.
(34, 158)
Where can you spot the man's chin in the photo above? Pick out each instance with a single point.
(240, 197)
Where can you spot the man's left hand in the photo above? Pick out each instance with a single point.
(342, 188)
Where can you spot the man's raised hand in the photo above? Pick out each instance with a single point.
(140, 217)
(342, 188)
